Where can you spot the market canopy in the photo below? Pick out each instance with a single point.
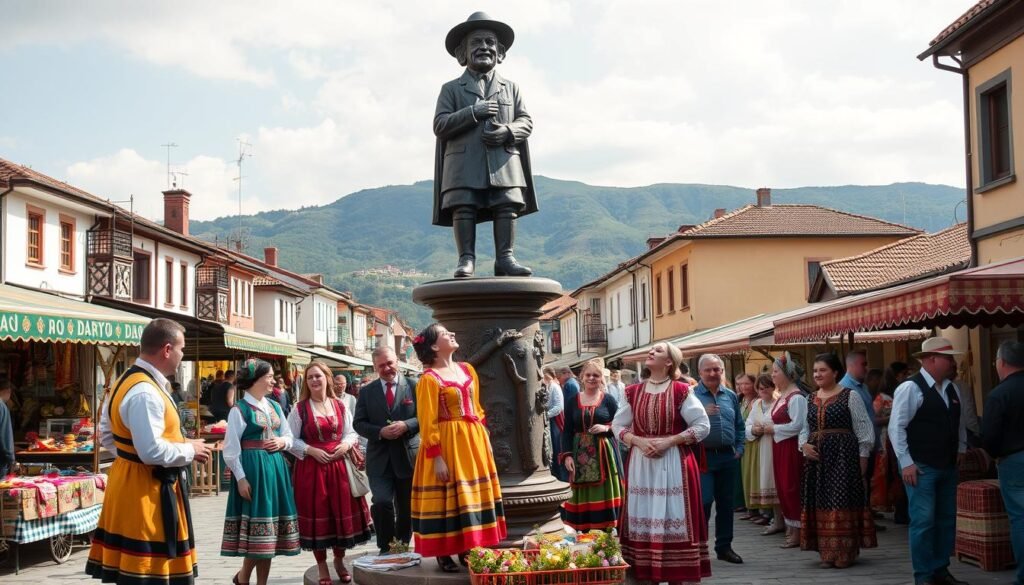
(337, 359)
(252, 342)
(31, 315)
(984, 295)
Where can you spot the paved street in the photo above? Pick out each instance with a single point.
(765, 563)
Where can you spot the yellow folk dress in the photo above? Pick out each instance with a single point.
(130, 545)
(466, 512)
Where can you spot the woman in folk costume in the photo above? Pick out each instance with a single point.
(591, 455)
(788, 416)
(837, 441)
(456, 498)
(662, 528)
(761, 492)
(747, 393)
(260, 522)
(329, 515)
(145, 535)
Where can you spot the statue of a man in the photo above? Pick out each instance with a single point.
(482, 162)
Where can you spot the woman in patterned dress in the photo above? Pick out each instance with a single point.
(788, 416)
(761, 490)
(591, 455)
(747, 395)
(662, 528)
(456, 498)
(260, 522)
(329, 515)
(837, 441)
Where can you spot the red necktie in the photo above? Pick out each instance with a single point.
(390, 395)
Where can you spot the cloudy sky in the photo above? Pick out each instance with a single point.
(337, 96)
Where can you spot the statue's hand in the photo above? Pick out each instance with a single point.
(506, 336)
(485, 109)
(497, 136)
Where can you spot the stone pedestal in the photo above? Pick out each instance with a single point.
(495, 323)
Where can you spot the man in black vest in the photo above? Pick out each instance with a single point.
(928, 434)
(386, 416)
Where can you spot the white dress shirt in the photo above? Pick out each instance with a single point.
(862, 427)
(236, 426)
(692, 410)
(556, 402)
(142, 411)
(797, 417)
(299, 447)
(617, 390)
(907, 399)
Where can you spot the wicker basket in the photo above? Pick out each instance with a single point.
(982, 526)
(588, 576)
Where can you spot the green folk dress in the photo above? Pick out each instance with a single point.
(267, 525)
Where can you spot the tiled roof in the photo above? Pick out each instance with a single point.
(902, 261)
(265, 281)
(793, 220)
(963, 20)
(12, 171)
(556, 307)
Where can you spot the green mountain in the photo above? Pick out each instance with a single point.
(581, 231)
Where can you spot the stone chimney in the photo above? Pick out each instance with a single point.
(176, 210)
(719, 212)
(652, 242)
(764, 197)
(270, 255)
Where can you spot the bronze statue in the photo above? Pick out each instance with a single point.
(482, 161)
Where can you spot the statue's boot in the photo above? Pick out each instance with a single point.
(504, 237)
(465, 243)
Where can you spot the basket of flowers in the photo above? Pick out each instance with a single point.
(594, 560)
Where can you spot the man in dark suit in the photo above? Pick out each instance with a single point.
(386, 416)
(482, 161)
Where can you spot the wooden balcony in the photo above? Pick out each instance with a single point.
(212, 293)
(109, 261)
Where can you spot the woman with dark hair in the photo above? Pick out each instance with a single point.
(761, 493)
(837, 441)
(260, 522)
(329, 515)
(747, 394)
(591, 455)
(662, 528)
(456, 498)
(788, 416)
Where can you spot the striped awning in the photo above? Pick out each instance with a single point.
(41, 316)
(252, 342)
(984, 295)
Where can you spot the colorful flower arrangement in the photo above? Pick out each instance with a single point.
(594, 550)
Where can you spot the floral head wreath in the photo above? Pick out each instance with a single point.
(418, 339)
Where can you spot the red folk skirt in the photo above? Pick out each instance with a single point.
(329, 515)
(788, 463)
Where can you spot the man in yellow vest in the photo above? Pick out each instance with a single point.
(145, 531)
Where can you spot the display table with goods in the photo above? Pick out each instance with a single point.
(57, 507)
(592, 558)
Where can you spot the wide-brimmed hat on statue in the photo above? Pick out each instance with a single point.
(937, 345)
(475, 21)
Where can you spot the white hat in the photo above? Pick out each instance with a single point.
(939, 345)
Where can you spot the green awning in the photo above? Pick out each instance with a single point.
(41, 316)
(337, 359)
(251, 341)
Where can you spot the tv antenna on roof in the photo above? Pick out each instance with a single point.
(174, 179)
(169, 146)
(243, 153)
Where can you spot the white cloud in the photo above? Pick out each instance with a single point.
(778, 93)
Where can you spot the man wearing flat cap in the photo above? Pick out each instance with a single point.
(482, 161)
(928, 434)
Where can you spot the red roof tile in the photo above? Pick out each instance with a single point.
(556, 307)
(793, 220)
(965, 18)
(909, 259)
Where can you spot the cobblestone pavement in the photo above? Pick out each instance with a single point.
(765, 563)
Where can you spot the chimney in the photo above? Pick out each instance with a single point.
(176, 210)
(719, 212)
(653, 242)
(764, 197)
(270, 255)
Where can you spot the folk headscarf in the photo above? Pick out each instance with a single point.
(253, 369)
(793, 370)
